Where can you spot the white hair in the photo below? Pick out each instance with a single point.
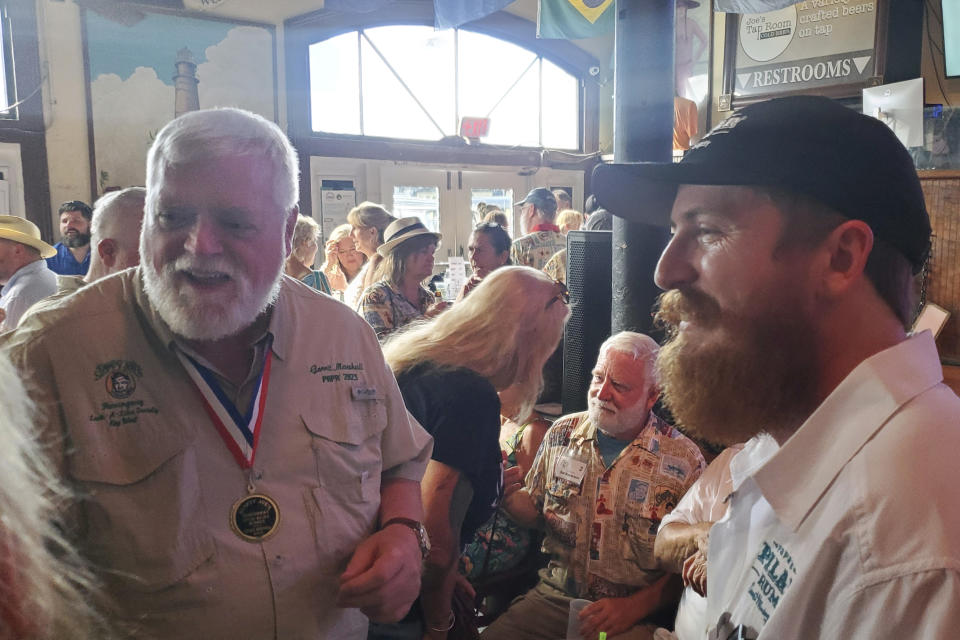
(637, 345)
(113, 211)
(45, 589)
(223, 133)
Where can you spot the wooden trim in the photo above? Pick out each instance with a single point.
(28, 129)
(939, 174)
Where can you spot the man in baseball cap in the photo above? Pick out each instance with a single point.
(798, 226)
(543, 238)
(23, 273)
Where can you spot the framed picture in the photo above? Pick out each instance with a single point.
(813, 47)
(144, 70)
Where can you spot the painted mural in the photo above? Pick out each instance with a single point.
(143, 75)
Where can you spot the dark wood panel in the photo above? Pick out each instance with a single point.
(941, 190)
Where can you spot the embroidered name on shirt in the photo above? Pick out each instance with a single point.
(775, 571)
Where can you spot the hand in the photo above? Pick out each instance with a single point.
(695, 572)
(613, 615)
(512, 481)
(383, 576)
(436, 309)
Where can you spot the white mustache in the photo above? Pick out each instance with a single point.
(600, 404)
(202, 267)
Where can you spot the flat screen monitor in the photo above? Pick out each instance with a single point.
(900, 106)
(951, 37)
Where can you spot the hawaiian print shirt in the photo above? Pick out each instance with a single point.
(386, 309)
(601, 521)
(536, 248)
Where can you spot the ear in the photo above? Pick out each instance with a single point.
(846, 250)
(107, 250)
(291, 225)
(653, 396)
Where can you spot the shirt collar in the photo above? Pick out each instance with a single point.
(796, 476)
(29, 269)
(545, 226)
(586, 430)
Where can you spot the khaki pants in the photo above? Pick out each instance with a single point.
(542, 614)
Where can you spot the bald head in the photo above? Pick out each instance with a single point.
(115, 231)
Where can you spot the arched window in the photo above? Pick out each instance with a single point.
(416, 83)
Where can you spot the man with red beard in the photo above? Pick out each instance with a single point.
(599, 486)
(242, 474)
(798, 226)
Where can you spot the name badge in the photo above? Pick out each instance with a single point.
(570, 470)
(364, 393)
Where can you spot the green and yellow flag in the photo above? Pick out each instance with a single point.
(570, 19)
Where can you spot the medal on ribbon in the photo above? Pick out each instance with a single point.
(254, 517)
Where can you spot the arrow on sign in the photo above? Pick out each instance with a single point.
(861, 63)
(744, 78)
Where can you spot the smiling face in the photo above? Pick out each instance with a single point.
(213, 246)
(622, 392)
(351, 259)
(739, 310)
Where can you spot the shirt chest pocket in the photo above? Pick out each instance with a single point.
(346, 449)
(142, 513)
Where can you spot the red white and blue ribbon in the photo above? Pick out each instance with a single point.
(241, 434)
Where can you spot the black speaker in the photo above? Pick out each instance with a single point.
(589, 279)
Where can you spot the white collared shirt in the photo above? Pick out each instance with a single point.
(852, 528)
(29, 284)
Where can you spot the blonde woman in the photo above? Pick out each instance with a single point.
(569, 220)
(303, 252)
(45, 591)
(368, 221)
(449, 370)
(342, 260)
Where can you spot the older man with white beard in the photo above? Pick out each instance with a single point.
(599, 486)
(241, 476)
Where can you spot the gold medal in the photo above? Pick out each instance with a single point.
(255, 517)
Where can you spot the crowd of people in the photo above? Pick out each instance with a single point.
(210, 437)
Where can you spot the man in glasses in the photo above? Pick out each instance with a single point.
(599, 486)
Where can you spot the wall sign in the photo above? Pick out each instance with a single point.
(827, 47)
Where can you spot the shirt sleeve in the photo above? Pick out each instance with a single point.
(375, 309)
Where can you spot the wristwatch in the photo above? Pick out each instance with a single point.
(422, 538)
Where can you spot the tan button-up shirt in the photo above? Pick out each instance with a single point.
(128, 427)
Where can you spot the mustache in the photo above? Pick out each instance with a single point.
(202, 265)
(677, 305)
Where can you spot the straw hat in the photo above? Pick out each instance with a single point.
(402, 230)
(25, 232)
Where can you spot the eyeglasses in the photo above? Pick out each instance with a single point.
(562, 294)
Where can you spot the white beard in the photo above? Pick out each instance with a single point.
(620, 423)
(196, 316)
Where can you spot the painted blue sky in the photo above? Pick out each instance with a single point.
(152, 42)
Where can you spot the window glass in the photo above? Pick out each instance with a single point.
(422, 202)
(423, 58)
(561, 107)
(413, 82)
(335, 85)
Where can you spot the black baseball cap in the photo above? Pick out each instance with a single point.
(541, 198)
(809, 145)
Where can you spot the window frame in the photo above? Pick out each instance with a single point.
(300, 32)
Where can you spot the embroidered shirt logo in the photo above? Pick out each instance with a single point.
(120, 377)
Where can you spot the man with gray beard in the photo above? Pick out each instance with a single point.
(600, 484)
(240, 475)
(798, 227)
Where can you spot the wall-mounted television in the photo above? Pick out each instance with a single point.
(951, 37)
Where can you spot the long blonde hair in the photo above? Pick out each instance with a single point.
(45, 589)
(505, 331)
